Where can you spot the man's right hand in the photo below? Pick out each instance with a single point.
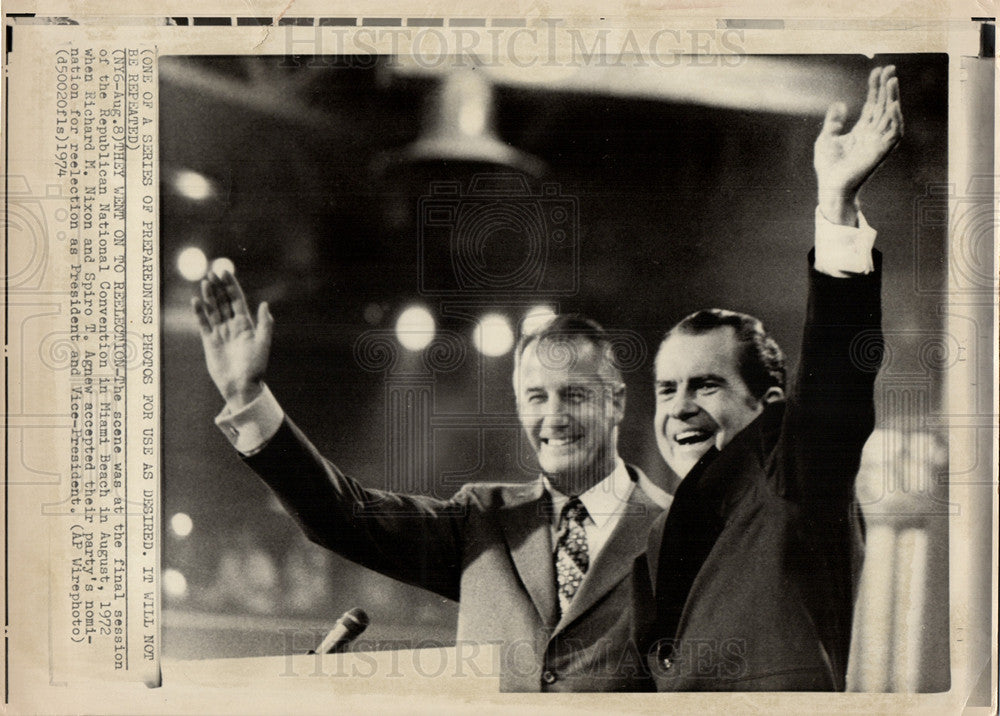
(236, 347)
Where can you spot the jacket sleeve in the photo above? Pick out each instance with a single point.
(414, 539)
(830, 409)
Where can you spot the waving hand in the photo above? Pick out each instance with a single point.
(845, 159)
(236, 346)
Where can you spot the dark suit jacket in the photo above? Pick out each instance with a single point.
(490, 548)
(754, 570)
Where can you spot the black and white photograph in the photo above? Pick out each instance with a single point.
(631, 368)
(552, 357)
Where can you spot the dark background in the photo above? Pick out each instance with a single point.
(680, 206)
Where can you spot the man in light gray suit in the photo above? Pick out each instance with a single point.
(541, 568)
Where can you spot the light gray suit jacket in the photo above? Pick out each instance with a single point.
(490, 548)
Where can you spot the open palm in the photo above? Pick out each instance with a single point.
(236, 347)
(844, 160)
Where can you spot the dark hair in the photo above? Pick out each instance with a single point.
(761, 360)
(566, 327)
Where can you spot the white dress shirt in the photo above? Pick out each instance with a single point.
(605, 503)
(843, 250)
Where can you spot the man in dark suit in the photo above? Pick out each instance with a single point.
(753, 571)
(542, 569)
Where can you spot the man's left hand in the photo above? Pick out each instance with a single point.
(844, 160)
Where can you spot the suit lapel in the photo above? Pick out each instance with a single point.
(614, 563)
(688, 534)
(528, 534)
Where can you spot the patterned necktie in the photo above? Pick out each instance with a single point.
(572, 558)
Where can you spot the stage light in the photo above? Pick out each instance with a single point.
(181, 524)
(192, 264)
(193, 185)
(174, 584)
(536, 319)
(493, 336)
(415, 328)
(223, 264)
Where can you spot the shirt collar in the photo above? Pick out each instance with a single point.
(604, 500)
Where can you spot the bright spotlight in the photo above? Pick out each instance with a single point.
(536, 319)
(181, 524)
(493, 336)
(223, 264)
(193, 185)
(192, 264)
(174, 583)
(415, 328)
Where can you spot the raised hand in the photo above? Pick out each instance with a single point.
(844, 160)
(236, 346)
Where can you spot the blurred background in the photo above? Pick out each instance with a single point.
(405, 222)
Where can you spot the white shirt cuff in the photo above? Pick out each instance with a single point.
(252, 426)
(843, 250)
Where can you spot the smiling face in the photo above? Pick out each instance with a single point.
(570, 403)
(701, 399)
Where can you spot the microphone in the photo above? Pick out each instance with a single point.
(347, 629)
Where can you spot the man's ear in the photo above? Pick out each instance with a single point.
(618, 397)
(773, 395)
